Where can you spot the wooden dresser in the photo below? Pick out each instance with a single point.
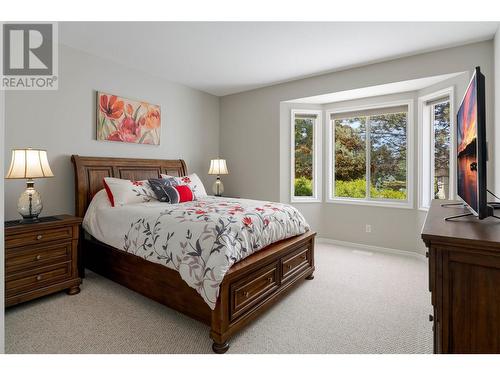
(41, 258)
(464, 280)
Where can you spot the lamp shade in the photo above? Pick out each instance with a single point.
(218, 167)
(29, 163)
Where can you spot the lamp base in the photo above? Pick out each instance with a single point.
(218, 187)
(29, 204)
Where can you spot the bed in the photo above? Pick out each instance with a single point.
(248, 288)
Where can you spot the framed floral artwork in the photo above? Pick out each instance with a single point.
(125, 120)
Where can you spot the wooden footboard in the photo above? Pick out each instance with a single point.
(253, 285)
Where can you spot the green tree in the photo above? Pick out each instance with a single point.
(303, 148)
(387, 155)
(350, 142)
(442, 135)
(388, 147)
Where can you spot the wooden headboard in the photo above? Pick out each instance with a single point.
(90, 171)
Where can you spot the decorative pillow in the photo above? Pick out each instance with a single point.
(121, 192)
(193, 181)
(172, 181)
(179, 193)
(159, 184)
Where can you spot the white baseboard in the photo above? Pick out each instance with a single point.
(371, 248)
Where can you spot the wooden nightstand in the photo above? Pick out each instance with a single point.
(41, 258)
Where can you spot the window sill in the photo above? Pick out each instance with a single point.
(305, 200)
(360, 202)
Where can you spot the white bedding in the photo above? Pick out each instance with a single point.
(200, 239)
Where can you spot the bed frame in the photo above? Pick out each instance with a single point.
(249, 288)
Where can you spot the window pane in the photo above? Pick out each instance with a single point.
(350, 157)
(441, 125)
(388, 156)
(304, 157)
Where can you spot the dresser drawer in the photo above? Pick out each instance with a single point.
(295, 262)
(253, 288)
(29, 280)
(23, 258)
(38, 236)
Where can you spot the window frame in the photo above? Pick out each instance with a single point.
(426, 164)
(317, 147)
(330, 183)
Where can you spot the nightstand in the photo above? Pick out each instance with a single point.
(41, 258)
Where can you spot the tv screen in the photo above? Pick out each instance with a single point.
(467, 147)
(472, 152)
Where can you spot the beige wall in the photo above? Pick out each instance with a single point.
(63, 122)
(257, 146)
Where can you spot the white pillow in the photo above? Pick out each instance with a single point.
(100, 200)
(193, 181)
(121, 192)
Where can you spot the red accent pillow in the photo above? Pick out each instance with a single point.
(110, 194)
(185, 193)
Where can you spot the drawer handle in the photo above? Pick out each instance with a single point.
(246, 294)
(39, 277)
(269, 280)
(38, 257)
(39, 237)
(431, 318)
(289, 266)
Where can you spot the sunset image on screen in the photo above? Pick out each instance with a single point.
(467, 147)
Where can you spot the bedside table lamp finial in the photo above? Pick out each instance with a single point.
(218, 167)
(29, 164)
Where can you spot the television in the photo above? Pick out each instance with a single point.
(471, 148)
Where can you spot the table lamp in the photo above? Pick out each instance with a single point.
(29, 164)
(218, 167)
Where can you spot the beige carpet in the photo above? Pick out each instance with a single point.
(358, 303)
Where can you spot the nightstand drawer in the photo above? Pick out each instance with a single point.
(24, 258)
(38, 236)
(26, 281)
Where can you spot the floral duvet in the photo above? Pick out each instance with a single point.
(200, 239)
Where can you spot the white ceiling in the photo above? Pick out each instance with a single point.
(386, 89)
(228, 57)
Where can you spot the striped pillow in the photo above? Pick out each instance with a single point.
(159, 184)
(179, 194)
(193, 181)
